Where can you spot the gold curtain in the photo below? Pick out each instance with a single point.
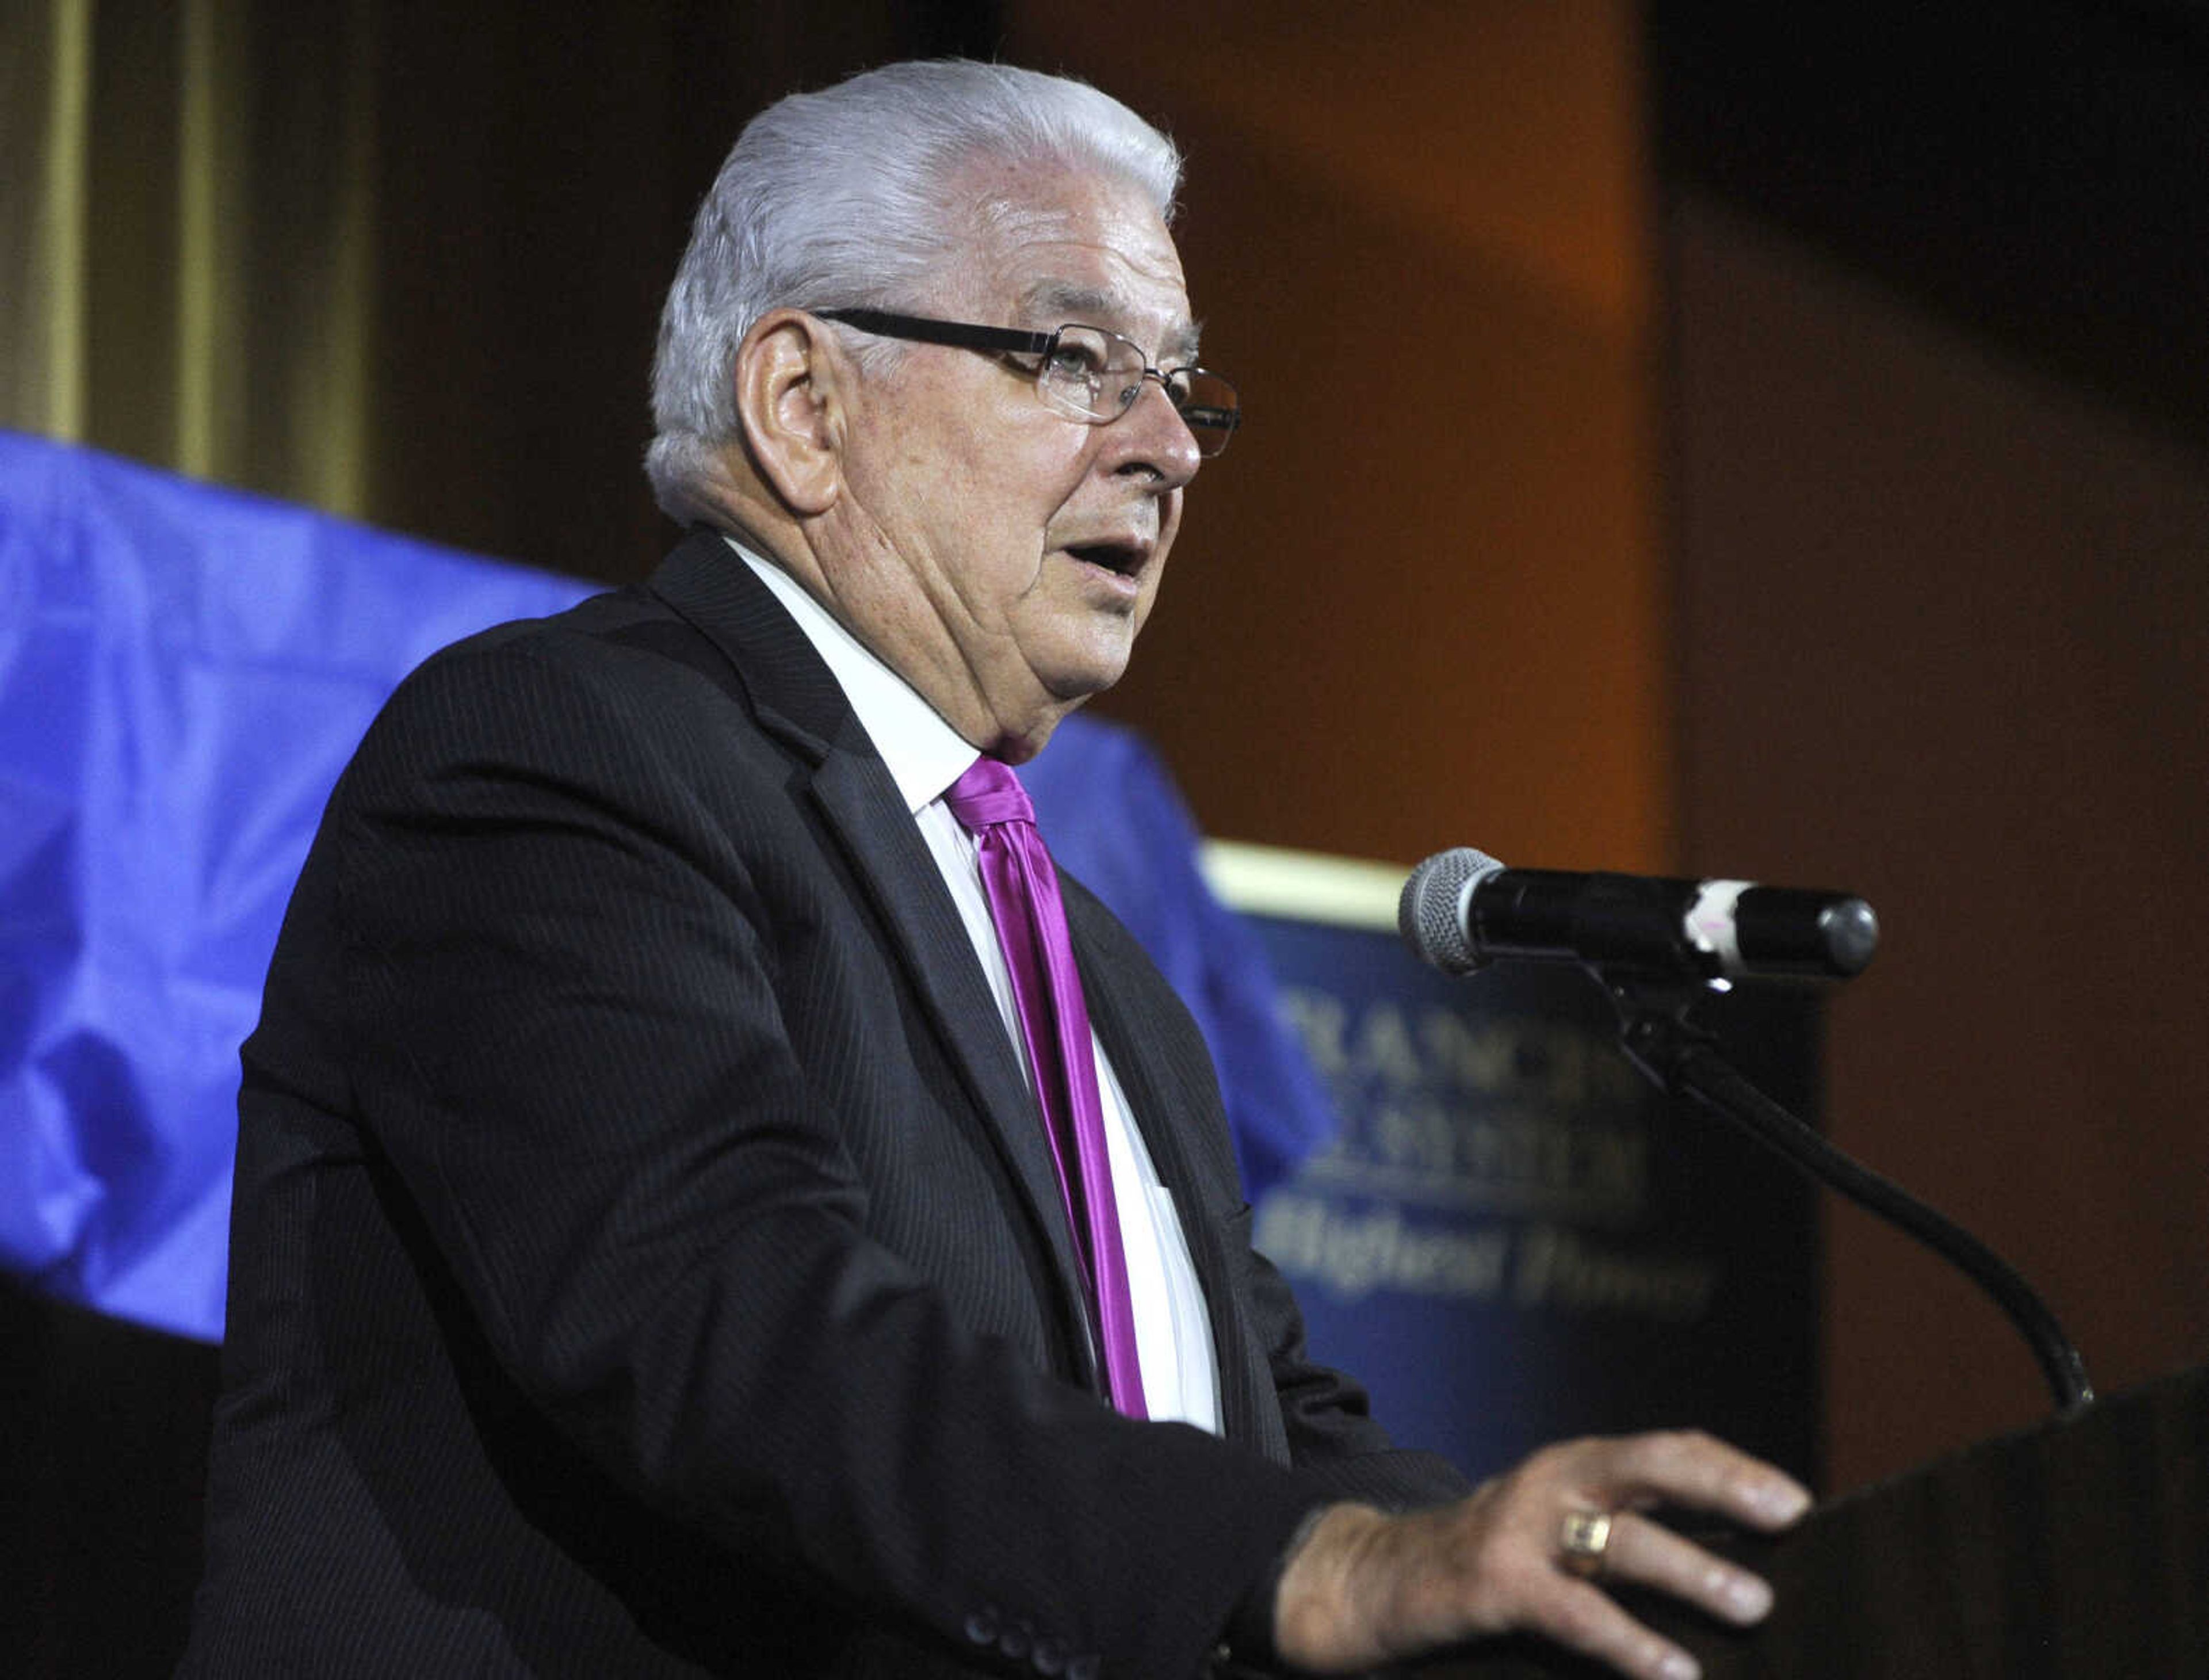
(188, 214)
(45, 77)
(396, 261)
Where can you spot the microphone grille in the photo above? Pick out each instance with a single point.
(1430, 914)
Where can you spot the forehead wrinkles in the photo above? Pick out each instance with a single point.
(1072, 246)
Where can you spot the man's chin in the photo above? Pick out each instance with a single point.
(1026, 732)
(1019, 740)
(1079, 687)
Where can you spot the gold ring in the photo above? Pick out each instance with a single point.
(1584, 1538)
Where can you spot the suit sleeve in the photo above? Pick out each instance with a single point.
(569, 1040)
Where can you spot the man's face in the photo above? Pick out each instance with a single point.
(1001, 555)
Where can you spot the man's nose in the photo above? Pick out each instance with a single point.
(1152, 434)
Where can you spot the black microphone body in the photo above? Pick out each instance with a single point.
(1461, 909)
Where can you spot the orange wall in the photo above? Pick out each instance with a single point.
(1420, 604)
(1944, 627)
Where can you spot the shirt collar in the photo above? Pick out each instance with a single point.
(924, 754)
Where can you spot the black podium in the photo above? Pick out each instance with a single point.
(2079, 1548)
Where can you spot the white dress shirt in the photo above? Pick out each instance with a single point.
(925, 756)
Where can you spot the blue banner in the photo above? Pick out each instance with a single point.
(1514, 1237)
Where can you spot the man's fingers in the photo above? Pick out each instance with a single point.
(1364, 1588)
(1585, 1619)
(1582, 1617)
(1648, 1554)
(1684, 1467)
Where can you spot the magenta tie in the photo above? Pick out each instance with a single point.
(1022, 888)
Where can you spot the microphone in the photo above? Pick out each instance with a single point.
(1461, 909)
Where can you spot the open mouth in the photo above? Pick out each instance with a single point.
(1124, 558)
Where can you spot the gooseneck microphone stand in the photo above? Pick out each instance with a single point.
(1682, 1060)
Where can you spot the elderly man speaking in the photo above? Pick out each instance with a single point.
(711, 1198)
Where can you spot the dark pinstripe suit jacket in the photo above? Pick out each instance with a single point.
(644, 1258)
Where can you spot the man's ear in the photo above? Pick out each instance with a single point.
(790, 378)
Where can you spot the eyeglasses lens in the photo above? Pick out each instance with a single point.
(1098, 375)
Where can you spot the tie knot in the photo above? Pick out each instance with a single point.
(989, 793)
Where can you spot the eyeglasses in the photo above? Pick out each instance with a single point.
(1085, 373)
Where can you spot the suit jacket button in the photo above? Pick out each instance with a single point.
(1087, 1666)
(1015, 1640)
(982, 1626)
(1049, 1656)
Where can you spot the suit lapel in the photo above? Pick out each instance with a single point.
(900, 875)
(1156, 1095)
(791, 692)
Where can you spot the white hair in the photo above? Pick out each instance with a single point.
(840, 199)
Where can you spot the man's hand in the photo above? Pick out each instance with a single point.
(1365, 1588)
